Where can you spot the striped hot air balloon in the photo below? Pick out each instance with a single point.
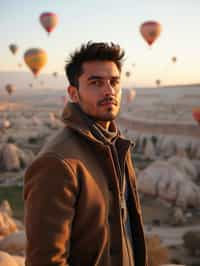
(49, 21)
(150, 31)
(35, 59)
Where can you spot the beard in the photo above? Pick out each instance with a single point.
(108, 114)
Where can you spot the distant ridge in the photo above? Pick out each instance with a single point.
(182, 85)
(22, 79)
(171, 86)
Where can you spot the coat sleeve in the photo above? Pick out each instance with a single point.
(50, 192)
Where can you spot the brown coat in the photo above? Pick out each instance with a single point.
(72, 201)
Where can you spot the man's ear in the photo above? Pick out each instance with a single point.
(73, 93)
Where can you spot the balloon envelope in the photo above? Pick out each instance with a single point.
(10, 88)
(128, 74)
(158, 82)
(196, 114)
(150, 31)
(49, 21)
(128, 95)
(55, 74)
(13, 48)
(174, 59)
(131, 95)
(35, 59)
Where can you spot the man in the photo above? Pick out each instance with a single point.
(81, 203)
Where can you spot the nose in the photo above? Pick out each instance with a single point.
(108, 88)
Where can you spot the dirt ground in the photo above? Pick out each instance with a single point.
(157, 218)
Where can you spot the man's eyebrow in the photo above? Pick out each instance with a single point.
(100, 77)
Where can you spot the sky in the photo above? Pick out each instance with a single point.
(103, 20)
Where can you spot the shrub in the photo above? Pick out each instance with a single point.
(157, 254)
(192, 242)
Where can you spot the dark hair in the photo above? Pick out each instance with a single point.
(92, 51)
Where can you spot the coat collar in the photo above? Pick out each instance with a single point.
(76, 119)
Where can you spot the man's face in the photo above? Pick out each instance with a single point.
(99, 92)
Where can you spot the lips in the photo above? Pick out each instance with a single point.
(109, 102)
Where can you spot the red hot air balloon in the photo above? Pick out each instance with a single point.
(196, 114)
(49, 21)
(150, 31)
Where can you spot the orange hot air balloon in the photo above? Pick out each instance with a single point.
(35, 59)
(174, 59)
(10, 88)
(49, 21)
(13, 48)
(150, 31)
(196, 114)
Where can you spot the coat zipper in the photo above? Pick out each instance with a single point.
(122, 186)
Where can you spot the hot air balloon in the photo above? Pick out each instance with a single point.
(4, 124)
(10, 88)
(196, 114)
(131, 95)
(49, 21)
(55, 74)
(35, 59)
(128, 95)
(158, 82)
(127, 74)
(13, 48)
(174, 59)
(150, 31)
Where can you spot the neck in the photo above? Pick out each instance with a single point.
(104, 124)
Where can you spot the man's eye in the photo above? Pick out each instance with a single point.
(96, 82)
(114, 82)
